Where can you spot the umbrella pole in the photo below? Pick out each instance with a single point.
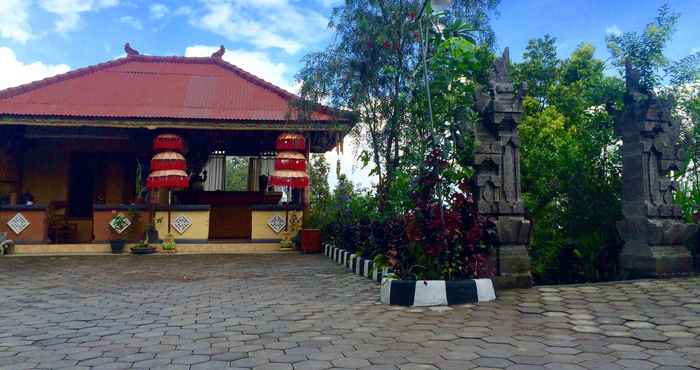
(169, 198)
(286, 213)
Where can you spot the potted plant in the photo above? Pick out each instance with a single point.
(169, 246)
(117, 228)
(310, 240)
(143, 247)
(151, 231)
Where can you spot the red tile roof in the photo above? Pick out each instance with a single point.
(155, 87)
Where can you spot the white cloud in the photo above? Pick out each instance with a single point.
(349, 166)
(254, 62)
(131, 21)
(613, 30)
(14, 20)
(68, 11)
(158, 10)
(695, 50)
(15, 72)
(263, 23)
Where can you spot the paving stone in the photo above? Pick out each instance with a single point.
(312, 365)
(200, 312)
(351, 363)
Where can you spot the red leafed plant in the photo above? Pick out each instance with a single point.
(444, 238)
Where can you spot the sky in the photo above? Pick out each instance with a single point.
(269, 38)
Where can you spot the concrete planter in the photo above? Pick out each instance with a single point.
(436, 292)
(412, 292)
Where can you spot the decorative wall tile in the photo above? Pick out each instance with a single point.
(116, 228)
(18, 223)
(181, 224)
(276, 223)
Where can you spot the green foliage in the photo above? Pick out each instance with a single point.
(169, 245)
(570, 162)
(236, 174)
(407, 71)
(141, 245)
(320, 202)
(645, 50)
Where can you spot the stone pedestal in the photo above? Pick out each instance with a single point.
(655, 247)
(497, 179)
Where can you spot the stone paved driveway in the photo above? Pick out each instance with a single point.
(304, 312)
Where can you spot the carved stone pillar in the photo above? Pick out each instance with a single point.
(652, 228)
(497, 179)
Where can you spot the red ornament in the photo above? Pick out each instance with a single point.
(290, 161)
(295, 182)
(290, 141)
(168, 142)
(168, 161)
(168, 179)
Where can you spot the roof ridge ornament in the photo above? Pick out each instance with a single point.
(130, 51)
(219, 53)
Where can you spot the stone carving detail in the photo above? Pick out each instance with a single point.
(498, 153)
(18, 223)
(652, 228)
(497, 163)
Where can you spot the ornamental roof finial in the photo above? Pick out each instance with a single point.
(219, 53)
(130, 51)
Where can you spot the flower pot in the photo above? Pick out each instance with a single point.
(117, 246)
(152, 235)
(149, 250)
(311, 240)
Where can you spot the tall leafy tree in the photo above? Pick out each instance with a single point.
(378, 66)
(570, 162)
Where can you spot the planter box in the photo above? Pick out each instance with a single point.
(311, 240)
(412, 292)
(150, 250)
(436, 292)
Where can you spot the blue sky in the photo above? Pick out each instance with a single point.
(271, 36)
(39, 38)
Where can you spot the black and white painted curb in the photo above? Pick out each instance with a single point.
(436, 292)
(357, 264)
(412, 292)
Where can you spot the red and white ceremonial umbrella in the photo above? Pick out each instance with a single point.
(168, 161)
(290, 142)
(168, 166)
(290, 166)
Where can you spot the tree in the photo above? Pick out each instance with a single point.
(377, 67)
(645, 50)
(570, 162)
(236, 173)
(320, 202)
